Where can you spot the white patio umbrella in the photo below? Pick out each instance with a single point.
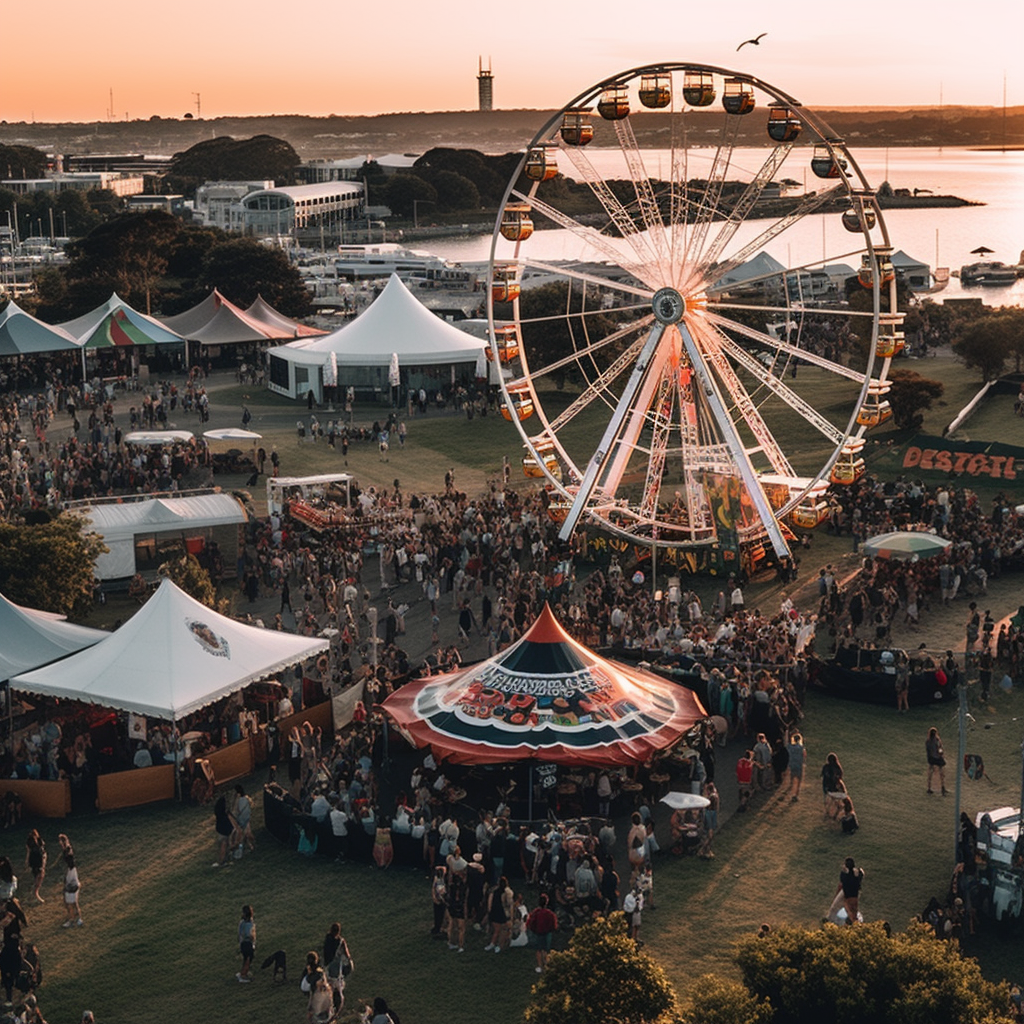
(685, 801)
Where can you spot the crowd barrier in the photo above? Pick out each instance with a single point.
(134, 788)
(46, 799)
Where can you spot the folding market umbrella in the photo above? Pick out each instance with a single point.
(905, 544)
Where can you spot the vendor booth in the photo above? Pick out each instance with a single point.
(172, 658)
(140, 535)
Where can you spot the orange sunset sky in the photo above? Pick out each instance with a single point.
(62, 58)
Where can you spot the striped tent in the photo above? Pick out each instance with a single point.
(116, 325)
(545, 698)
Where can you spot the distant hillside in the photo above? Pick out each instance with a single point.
(501, 131)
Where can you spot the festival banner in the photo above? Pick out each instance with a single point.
(978, 459)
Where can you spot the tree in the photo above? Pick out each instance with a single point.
(986, 344)
(243, 268)
(864, 975)
(602, 977)
(911, 396)
(127, 254)
(187, 574)
(402, 190)
(455, 192)
(22, 162)
(261, 158)
(50, 565)
(711, 1000)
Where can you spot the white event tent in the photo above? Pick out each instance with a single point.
(121, 523)
(33, 638)
(171, 658)
(396, 323)
(22, 334)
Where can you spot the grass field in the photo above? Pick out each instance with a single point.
(475, 448)
(159, 938)
(158, 914)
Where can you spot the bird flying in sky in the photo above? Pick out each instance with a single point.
(753, 42)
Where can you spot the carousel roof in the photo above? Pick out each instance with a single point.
(545, 698)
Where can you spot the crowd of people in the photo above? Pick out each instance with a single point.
(21, 967)
(485, 566)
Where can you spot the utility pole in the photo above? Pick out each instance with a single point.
(199, 106)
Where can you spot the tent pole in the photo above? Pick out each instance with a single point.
(84, 371)
(529, 796)
(177, 760)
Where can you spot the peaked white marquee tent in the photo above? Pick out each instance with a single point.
(395, 323)
(171, 658)
(33, 638)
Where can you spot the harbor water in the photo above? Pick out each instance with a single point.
(938, 236)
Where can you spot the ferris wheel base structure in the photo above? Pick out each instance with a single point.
(678, 358)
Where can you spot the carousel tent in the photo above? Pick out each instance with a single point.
(119, 523)
(171, 658)
(116, 324)
(545, 698)
(396, 322)
(32, 638)
(22, 334)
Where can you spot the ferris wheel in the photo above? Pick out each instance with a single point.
(650, 346)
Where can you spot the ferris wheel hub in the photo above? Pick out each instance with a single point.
(668, 305)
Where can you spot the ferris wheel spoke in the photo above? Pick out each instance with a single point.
(710, 344)
(786, 273)
(579, 275)
(807, 206)
(709, 207)
(623, 220)
(647, 203)
(783, 346)
(599, 458)
(661, 415)
(589, 350)
(783, 391)
(730, 436)
(743, 207)
(591, 236)
(795, 309)
(598, 387)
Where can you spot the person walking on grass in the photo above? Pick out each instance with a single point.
(936, 759)
(246, 942)
(542, 925)
(851, 880)
(797, 759)
(35, 861)
(72, 887)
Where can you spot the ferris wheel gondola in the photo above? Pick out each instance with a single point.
(664, 391)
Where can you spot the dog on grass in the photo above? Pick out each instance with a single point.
(279, 962)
